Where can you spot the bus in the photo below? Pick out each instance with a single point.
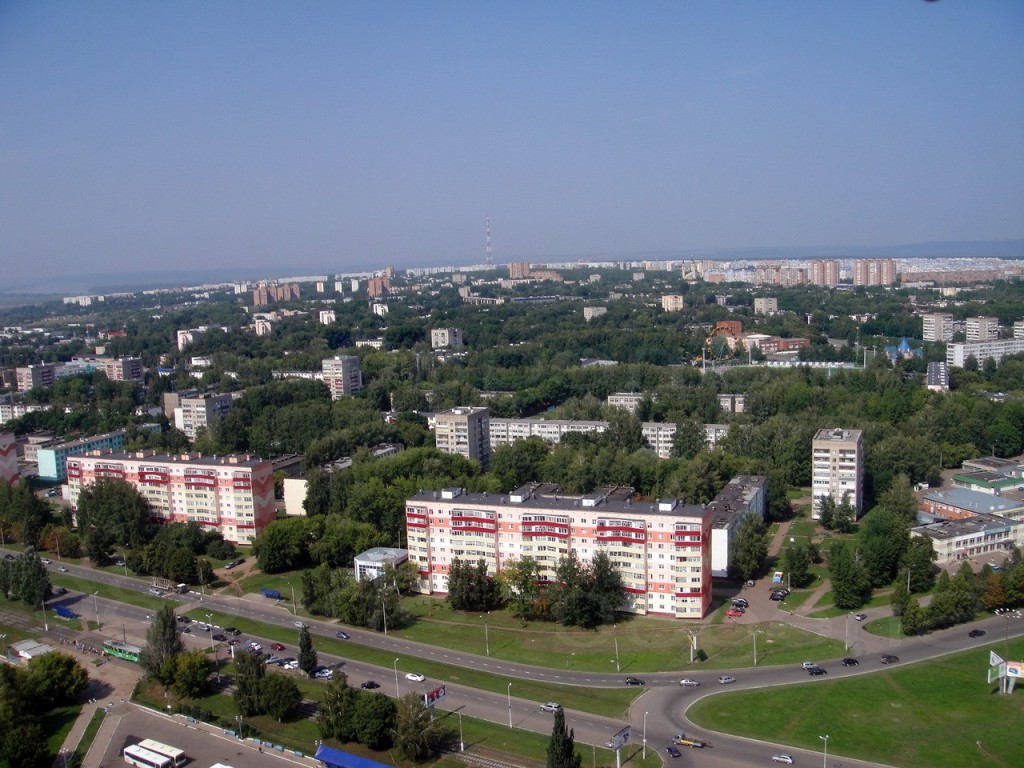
(122, 650)
(176, 755)
(143, 758)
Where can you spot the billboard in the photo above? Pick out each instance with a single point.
(430, 698)
(1015, 669)
(618, 739)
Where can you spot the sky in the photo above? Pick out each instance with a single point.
(141, 136)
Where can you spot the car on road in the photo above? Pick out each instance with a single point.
(416, 677)
(777, 597)
(634, 681)
(815, 671)
(291, 664)
(62, 569)
(860, 616)
(155, 591)
(46, 561)
(234, 641)
(726, 679)
(220, 638)
(256, 647)
(370, 685)
(808, 664)
(684, 741)
(740, 602)
(551, 706)
(301, 624)
(234, 564)
(59, 591)
(673, 751)
(341, 635)
(688, 683)
(277, 646)
(734, 613)
(849, 661)
(976, 633)
(183, 619)
(890, 659)
(324, 674)
(8, 556)
(787, 759)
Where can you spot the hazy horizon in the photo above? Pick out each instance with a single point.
(180, 138)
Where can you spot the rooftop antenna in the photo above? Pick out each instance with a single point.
(489, 259)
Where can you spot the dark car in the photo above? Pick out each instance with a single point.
(777, 596)
(634, 681)
(890, 659)
(231, 631)
(815, 671)
(741, 602)
(341, 635)
(850, 662)
(673, 750)
(976, 633)
(370, 685)
(220, 638)
(184, 619)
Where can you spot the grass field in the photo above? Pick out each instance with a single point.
(921, 715)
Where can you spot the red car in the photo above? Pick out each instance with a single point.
(277, 647)
(733, 613)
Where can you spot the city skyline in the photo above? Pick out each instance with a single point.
(258, 137)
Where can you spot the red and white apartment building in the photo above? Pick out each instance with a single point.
(233, 494)
(661, 548)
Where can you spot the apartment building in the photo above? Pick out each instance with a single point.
(8, 459)
(661, 548)
(519, 270)
(123, 368)
(731, 403)
(38, 375)
(874, 272)
(937, 327)
(766, 305)
(743, 496)
(445, 337)
(825, 272)
(464, 431)
(589, 313)
(327, 316)
(837, 467)
(957, 353)
(1018, 329)
(342, 376)
(628, 401)
(982, 329)
(52, 456)
(937, 377)
(195, 412)
(10, 411)
(232, 494)
(673, 303)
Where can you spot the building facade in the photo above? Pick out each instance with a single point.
(874, 272)
(8, 459)
(937, 327)
(465, 431)
(38, 375)
(766, 305)
(661, 549)
(743, 496)
(342, 376)
(837, 468)
(825, 272)
(445, 337)
(957, 354)
(195, 412)
(231, 494)
(52, 457)
(981, 329)
(955, 540)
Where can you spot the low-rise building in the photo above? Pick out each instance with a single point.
(370, 565)
(955, 540)
(961, 503)
(52, 456)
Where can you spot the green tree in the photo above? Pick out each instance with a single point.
(900, 594)
(112, 513)
(690, 439)
(919, 558)
(883, 540)
(307, 654)
(250, 670)
(417, 735)
(914, 619)
(56, 678)
(163, 644)
(562, 746)
(279, 696)
(192, 674)
(851, 585)
(749, 549)
(374, 720)
(336, 715)
(993, 597)
(26, 578)
(520, 580)
(899, 499)
(796, 561)
(470, 588)
(827, 512)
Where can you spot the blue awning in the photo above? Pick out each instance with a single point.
(335, 758)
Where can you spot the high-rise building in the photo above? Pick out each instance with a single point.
(519, 270)
(673, 303)
(937, 327)
(874, 272)
(465, 431)
(231, 494)
(661, 549)
(194, 412)
(445, 337)
(764, 305)
(837, 468)
(982, 328)
(825, 272)
(342, 376)
(123, 368)
(39, 375)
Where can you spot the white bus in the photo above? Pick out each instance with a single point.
(177, 756)
(143, 758)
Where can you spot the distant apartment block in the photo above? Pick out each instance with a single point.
(661, 548)
(589, 313)
(745, 495)
(377, 343)
(342, 376)
(187, 336)
(766, 306)
(629, 401)
(874, 272)
(123, 368)
(52, 456)
(519, 270)
(196, 412)
(982, 329)
(837, 468)
(38, 375)
(8, 459)
(464, 431)
(673, 303)
(378, 286)
(937, 377)
(445, 337)
(263, 326)
(958, 354)
(825, 272)
(268, 294)
(732, 403)
(1018, 329)
(231, 494)
(327, 316)
(937, 327)
(9, 411)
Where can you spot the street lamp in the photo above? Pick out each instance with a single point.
(1006, 614)
(398, 695)
(645, 736)
(487, 639)
(824, 762)
(617, 670)
(754, 635)
(96, 606)
(510, 705)
(209, 622)
(384, 608)
(462, 742)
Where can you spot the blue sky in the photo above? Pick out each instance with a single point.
(143, 135)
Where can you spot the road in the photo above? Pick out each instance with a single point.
(664, 700)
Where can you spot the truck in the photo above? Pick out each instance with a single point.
(271, 594)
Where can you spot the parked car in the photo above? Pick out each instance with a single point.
(231, 631)
(734, 613)
(777, 596)
(272, 659)
(741, 602)
(815, 671)
(890, 659)
(155, 591)
(276, 647)
(551, 706)
(673, 751)
(849, 661)
(634, 681)
(301, 624)
(787, 759)
(860, 616)
(341, 635)
(220, 638)
(726, 679)
(688, 683)
(416, 677)
(808, 664)
(256, 647)
(370, 685)
(45, 561)
(324, 674)
(976, 633)
(59, 591)
(291, 664)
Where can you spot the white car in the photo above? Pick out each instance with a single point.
(860, 617)
(808, 665)
(290, 665)
(726, 679)
(301, 625)
(255, 647)
(551, 706)
(416, 677)
(688, 683)
(324, 674)
(45, 561)
(787, 759)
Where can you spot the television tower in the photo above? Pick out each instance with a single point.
(489, 256)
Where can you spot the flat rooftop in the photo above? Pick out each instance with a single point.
(977, 525)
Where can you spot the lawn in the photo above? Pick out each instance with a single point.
(831, 612)
(56, 723)
(120, 594)
(930, 714)
(90, 734)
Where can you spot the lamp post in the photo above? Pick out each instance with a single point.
(1006, 614)
(209, 623)
(617, 669)
(510, 705)
(462, 742)
(384, 608)
(645, 737)
(824, 762)
(487, 640)
(754, 635)
(398, 695)
(96, 607)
